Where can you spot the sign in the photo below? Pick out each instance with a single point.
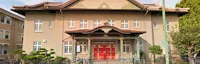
(78, 48)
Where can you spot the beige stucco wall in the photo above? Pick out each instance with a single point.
(56, 35)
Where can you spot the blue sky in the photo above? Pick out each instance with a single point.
(7, 4)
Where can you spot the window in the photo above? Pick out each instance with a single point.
(5, 49)
(124, 24)
(68, 48)
(83, 24)
(111, 22)
(5, 20)
(50, 24)
(126, 46)
(20, 37)
(1, 34)
(97, 23)
(37, 45)
(83, 46)
(71, 23)
(19, 46)
(168, 26)
(155, 24)
(21, 25)
(38, 26)
(7, 34)
(136, 24)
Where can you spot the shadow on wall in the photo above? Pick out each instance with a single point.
(145, 48)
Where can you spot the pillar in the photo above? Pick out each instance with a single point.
(121, 48)
(138, 50)
(74, 49)
(89, 48)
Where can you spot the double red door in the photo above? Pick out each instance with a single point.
(104, 51)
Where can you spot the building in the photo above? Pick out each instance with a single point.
(96, 29)
(11, 32)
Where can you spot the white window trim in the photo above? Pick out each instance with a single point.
(124, 22)
(83, 44)
(137, 24)
(3, 33)
(51, 22)
(168, 24)
(84, 22)
(38, 22)
(97, 23)
(125, 45)
(71, 23)
(111, 22)
(8, 34)
(37, 45)
(5, 20)
(68, 45)
(21, 34)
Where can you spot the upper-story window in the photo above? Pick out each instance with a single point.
(7, 34)
(1, 34)
(37, 45)
(4, 34)
(71, 23)
(21, 25)
(83, 24)
(124, 24)
(137, 24)
(155, 24)
(20, 37)
(96, 23)
(38, 26)
(168, 26)
(126, 46)
(5, 20)
(51, 24)
(111, 22)
(68, 48)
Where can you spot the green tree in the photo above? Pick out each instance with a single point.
(187, 39)
(155, 50)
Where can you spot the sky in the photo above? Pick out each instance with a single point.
(7, 4)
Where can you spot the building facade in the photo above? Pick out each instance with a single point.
(96, 29)
(11, 32)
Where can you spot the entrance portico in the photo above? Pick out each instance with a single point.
(105, 43)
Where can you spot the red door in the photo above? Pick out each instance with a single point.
(104, 52)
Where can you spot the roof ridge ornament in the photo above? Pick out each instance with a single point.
(106, 24)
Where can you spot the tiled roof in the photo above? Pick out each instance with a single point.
(63, 6)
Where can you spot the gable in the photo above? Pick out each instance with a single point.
(104, 4)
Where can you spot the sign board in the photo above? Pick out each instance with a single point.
(78, 48)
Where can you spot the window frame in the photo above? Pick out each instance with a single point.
(51, 23)
(2, 34)
(83, 22)
(111, 22)
(8, 34)
(123, 24)
(37, 45)
(168, 26)
(126, 45)
(21, 37)
(83, 47)
(38, 23)
(71, 23)
(97, 23)
(136, 24)
(68, 45)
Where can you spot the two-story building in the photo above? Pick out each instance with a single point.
(96, 29)
(11, 32)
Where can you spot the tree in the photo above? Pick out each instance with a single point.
(15, 56)
(155, 50)
(187, 39)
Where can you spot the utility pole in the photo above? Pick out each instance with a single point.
(165, 32)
